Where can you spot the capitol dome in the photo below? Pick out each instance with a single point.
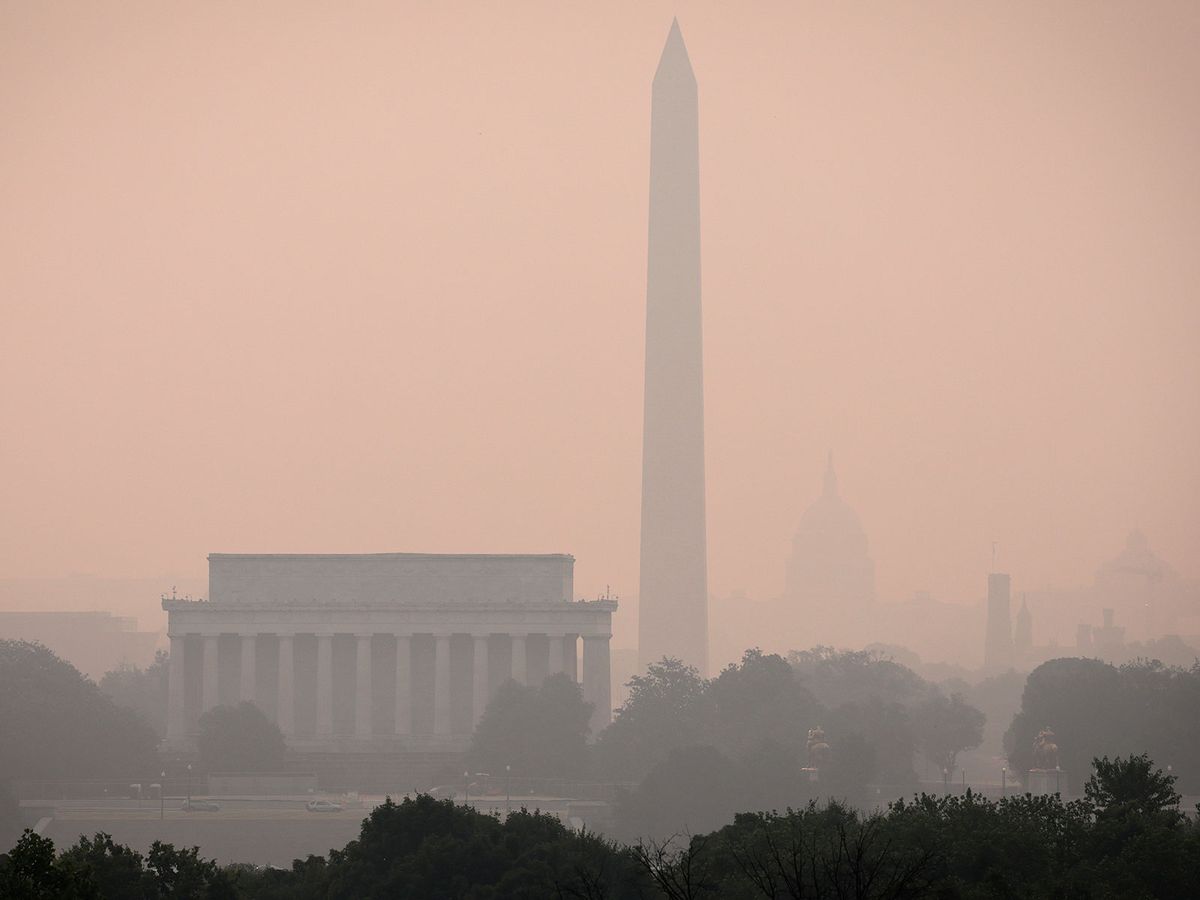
(831, 560)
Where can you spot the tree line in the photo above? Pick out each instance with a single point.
(1126, 838)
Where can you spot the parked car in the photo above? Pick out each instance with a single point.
(323, 806)
(194, 805)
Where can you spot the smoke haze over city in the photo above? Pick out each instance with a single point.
(288, 278)
(516, 450)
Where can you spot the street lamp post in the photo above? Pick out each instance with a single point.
(507, 790)
(189, 799)
(162, 795)
(945, 780)
(1057, 773)
(1004, 781)
(466, 788)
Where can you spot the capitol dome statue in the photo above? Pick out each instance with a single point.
(831, 562)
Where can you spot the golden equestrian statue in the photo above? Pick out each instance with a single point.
(1045, 750)
(819, 751)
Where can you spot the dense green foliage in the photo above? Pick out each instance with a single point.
(55, 723)
(665, 711)
(99, 869)
(540, 731)
(1126, 839)
(701, 749)
(239, 739)
(1097, 709)
(430, 849)
(142, 690)
(945, 726)
(1130, 786)
(998, 697)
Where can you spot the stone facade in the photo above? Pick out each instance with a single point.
(372, 652)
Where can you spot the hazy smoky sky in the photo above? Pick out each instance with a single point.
(371, 276)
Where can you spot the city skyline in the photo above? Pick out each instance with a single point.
(204, 360)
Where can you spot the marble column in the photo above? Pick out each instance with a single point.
(520, 668)
(362, 688)
(248, 675)
(176, 724)
(208, 681)
(571, 656)
(324, 685)
(479, 695)
(597, 684)
(285, 715)
(556, 654)
(441, 685)
(403, 684)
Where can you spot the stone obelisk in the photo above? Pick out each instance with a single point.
(673, 589)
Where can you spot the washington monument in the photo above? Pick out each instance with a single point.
(673, 589)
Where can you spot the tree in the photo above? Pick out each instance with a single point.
(677, 866)
(539, 731)
(761, 699)
(847, 676)
(239, 739)
(55, 723)
(1096, 709)
(885, 727)
(423, 847)
(142, 690)
(116, 871)
(695, 789)
(183, 872)
(869, 696)
(828, 851)
(772, 776)
(945, 727)
(1130, 785)
(665, 711)
(854, 764)
(30, 872)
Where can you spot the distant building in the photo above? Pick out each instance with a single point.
(93, 642)
(383, 652)
(1147, 596)
(1023, 637)
(830, 573)
(1143, 589)
(1108, 639)
(998, 642)
(1083, 639)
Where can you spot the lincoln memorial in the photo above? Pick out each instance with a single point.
(371, 652)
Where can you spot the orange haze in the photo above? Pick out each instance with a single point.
(371, 276)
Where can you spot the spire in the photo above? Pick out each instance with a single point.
(831, 486)
(674, 65)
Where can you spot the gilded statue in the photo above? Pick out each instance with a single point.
(819, 751)
(1045, 750)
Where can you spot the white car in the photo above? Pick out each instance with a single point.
(323, 806)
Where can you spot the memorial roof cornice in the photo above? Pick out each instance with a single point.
(410, 556)
(179, 604)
